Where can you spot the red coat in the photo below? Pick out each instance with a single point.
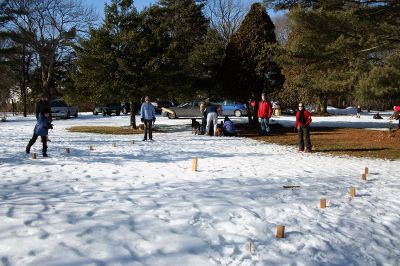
(307, 116)
(264, 110)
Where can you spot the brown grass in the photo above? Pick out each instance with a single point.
(105, 130)
(337, 141)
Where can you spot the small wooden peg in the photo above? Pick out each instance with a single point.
(280, 231)
(194, 164)
(91, 148)
(133, 142)
(251, 246)
(322, 203)
(352, 192)
(114, 144)
(67, 150)
(34, 156)
(366, 171)
(364, 176)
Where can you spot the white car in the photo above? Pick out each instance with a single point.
(60, 109)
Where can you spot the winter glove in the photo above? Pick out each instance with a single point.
(142, 119)
(154, 119)
(51, 126)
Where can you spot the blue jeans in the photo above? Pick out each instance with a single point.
(264, 126)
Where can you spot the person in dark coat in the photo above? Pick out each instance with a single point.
(229, 128)
(41, 129)
(41, 105)
(303, 121)
(359, 111)
(148, 117)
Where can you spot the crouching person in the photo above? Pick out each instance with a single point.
(303, 121)
(229, 128)
(41, 129)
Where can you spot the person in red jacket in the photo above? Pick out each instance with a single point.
(303, 121)
(264, 114)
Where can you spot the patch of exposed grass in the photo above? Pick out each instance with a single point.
(337, 141)
(105, 130)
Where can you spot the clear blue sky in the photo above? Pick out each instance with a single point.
(139, 4)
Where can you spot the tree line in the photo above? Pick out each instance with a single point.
(342, 51)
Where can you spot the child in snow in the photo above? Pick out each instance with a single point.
(41, 129)
(228, 128)
(303, 121)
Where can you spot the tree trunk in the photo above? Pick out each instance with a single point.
(323, 105)
(23, 81)
(133, 115)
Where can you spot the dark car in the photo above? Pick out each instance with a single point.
(107, 109)
(159, 104)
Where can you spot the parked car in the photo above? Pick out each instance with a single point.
(60, 109)
(233, 108)
(159, 104)
(107, 109)
(189, 109)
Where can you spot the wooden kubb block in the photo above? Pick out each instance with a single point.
(352, 192)
(364, 176)
(67, 150)
(34, 156)
(194, 164)
(280, 231)
(132, 142)
(141, 126)
(91, 148)
(366, 170)
(114, 145)
(322, 203)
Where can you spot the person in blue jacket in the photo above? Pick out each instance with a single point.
(41, 129)
(229, 128)
(148, 117)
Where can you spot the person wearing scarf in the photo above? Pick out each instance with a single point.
(303, 121)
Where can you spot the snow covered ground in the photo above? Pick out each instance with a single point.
(141, 204)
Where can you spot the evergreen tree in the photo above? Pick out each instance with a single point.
(334, 46)
(249, 67)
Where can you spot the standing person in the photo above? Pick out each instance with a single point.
(148, 117)
(229, 128)
(303, 121)
(41, 129)
(41, 105)
(358, 111)
(212, 117)
(264, 114)
(203, 111)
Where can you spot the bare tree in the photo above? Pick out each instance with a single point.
(226, 16)
(282, 28)
(49, 28)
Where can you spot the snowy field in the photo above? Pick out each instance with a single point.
(141, 204)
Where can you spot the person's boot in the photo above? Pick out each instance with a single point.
(28, 149)
(45, 155)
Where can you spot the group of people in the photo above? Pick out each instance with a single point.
(209, 118)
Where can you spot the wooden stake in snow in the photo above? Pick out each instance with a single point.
(133, 142)
(322, 203)
(352, 192)
(91, 148)
(364, 176)
(34, 156)
(114, 144)
(194, 164)
(67, 150)
(280, 231)
(251, 246)
(366, 170)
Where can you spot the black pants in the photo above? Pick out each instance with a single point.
(44, 142)
(304, 136)
(148, 127)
